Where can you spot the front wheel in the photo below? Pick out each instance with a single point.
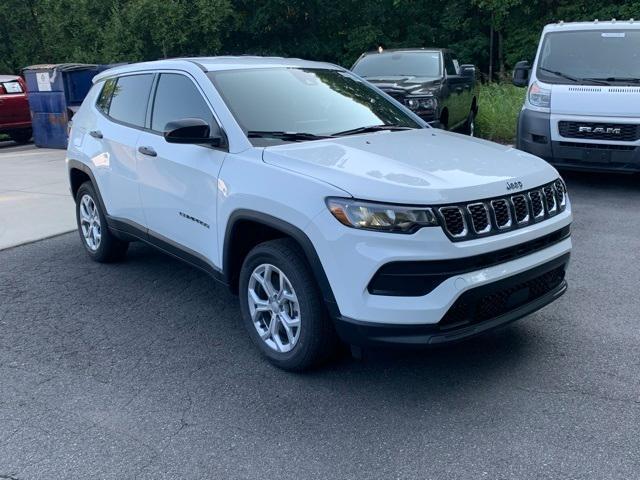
(282, 307)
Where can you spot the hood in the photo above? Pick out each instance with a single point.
(425, 166)
(588, 100)
(406, 84)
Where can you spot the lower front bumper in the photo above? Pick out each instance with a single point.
(510, 298)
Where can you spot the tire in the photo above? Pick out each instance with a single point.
(470, 125)
(90, 218)
(21, 136)
(314, 341)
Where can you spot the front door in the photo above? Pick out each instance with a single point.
(178, 182)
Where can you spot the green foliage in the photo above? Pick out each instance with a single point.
(498, 108)
(106, 31)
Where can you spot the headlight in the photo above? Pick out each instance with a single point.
(422, 103)
(381, 217)
(538, 96)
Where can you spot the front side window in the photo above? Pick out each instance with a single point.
(319, 102)
(177, 98)
(129, 99)
(405, 64)
(609, 56)
(450, 65)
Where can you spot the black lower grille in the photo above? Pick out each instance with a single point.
(473, 308)
(417, 278)
(600, 131)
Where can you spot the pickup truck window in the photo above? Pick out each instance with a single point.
(393, 64)
(600, 55)
(313, 102)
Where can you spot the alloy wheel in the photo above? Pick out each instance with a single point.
(274, 308)
(90, 222)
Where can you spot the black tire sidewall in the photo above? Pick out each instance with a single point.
(309, 299)
(101, 253)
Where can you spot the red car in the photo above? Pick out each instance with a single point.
(15, 118)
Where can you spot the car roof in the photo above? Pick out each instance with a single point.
(405, 50)
(595, 25)
(8, 78)
(213, 64)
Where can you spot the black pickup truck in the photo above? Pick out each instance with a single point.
(429, 81)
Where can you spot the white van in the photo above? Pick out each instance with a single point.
(582, 108)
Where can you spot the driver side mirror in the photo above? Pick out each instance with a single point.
(521, 74)
(193, 131)
(468, 71)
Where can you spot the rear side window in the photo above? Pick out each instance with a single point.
(11, 87)
(129, 99)
(176, 98)
(105, 96)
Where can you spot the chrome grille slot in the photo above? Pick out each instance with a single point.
(536, 204)
(550, 199)
(521, 208)
(501, 213)
(561, 191)
(479, 217)
(454, 221)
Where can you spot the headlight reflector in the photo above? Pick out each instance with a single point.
(539, 96)
(381, 217)
(422, 103)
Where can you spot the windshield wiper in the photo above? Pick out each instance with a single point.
(287, 136)
(572, 78)
(371, 128)
(616, 79)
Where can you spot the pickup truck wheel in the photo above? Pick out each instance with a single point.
(470, 124)
(282, 307)
(21, 136)
(100, 244)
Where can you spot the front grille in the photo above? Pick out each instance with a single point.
(454, 221)
(599, 131)
(471, 308)
(397, 94)
(492, 216)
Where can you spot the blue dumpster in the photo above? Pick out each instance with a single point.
(55, 93)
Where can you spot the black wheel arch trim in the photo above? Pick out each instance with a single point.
(84, 168)
(294, 232)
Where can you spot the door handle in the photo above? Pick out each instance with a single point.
(148, 151)
(95, 133)
(458, 89)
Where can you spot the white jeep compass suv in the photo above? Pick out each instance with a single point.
(330, 208)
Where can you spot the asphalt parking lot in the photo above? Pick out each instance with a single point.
(142, 370)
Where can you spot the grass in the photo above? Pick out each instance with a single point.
(498, 108)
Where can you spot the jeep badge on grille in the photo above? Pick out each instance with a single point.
(517, 185)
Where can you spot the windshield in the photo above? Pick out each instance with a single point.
(611, 55)
(310, 101)
(405, 64)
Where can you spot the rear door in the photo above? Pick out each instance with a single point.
(123, 105)
(179, 182)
